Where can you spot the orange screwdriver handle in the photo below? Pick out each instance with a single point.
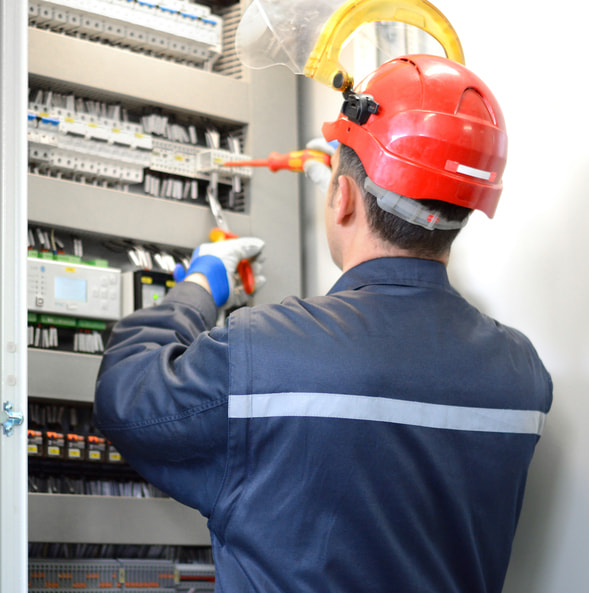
(295, 160)
(292, 161)
(244, 268)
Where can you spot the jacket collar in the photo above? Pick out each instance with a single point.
(399, 271)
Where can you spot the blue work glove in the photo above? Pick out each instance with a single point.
(317, 172)
(218, 263)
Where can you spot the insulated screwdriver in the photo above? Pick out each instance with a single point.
(292, 161)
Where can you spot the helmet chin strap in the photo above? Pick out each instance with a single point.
(411, 211)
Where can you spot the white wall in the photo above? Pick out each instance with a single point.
(527, 266)
(317, 104)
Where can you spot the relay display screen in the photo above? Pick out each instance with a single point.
(70, 289)
(151, 294)
(87, 291)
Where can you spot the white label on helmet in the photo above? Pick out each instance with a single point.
(471, 171)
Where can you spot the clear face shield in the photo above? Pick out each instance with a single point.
(307, 36)
(280, 32)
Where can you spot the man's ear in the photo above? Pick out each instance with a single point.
(346, 199)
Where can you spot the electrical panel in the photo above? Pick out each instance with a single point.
(124, 142)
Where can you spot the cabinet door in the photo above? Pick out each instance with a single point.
(13, 247)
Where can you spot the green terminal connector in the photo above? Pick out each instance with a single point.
(68, 259)
(71, 322)
(91, 324)
(57, 320)
(101, 263)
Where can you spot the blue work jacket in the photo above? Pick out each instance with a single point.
(373, 440)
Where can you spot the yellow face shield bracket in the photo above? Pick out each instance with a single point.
(323, 63)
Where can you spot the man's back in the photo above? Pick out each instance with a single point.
(379, 439)
(376, 439)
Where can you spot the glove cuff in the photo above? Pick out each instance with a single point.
(213, 268)
(179, 273)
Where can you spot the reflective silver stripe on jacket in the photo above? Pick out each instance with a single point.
(381, 409)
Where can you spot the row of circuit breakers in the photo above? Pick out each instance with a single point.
(169, 28)
(71, 136)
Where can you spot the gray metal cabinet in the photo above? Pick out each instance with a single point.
(264, 101)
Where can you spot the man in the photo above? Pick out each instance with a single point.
(376, 439)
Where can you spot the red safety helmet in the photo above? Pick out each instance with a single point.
(426, 127)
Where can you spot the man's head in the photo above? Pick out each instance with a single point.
(431, 138)
(392, 229)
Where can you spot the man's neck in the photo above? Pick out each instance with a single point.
(376, 249)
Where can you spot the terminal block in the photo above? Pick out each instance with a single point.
(211, 160)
